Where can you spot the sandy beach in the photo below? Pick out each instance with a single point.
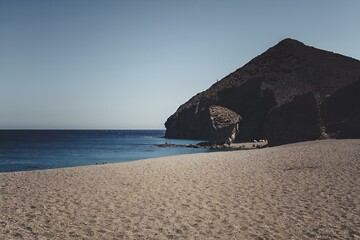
(298, 191)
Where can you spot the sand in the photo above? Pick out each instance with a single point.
(298, 191)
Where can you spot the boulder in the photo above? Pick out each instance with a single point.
(224, 125)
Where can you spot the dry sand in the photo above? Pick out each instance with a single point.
(298, 191)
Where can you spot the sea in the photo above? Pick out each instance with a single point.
(25, 150)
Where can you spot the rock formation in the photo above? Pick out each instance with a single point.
(294, 121)
(224, 125)
(340, 112)
(290, 93)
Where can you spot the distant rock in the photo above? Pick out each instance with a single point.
(224, 125)
(290, 93)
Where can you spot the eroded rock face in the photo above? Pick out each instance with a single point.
(341, 112)
(294, 121)
(268, 88)
(224, 125)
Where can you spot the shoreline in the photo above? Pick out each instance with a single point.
(234, 147)
(222, 147)
(300, 190)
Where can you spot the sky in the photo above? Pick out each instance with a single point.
(131, 64)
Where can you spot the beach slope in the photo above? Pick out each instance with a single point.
(298, 191)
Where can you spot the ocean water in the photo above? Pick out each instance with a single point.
(23, 150)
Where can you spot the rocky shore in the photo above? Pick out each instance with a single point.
(208, 145)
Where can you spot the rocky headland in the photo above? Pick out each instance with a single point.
(290, 93)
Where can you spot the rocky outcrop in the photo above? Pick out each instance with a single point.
(287, 94)
(294, 121)
(341, 112)
(224, 125)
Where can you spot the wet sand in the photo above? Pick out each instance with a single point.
(297, 191)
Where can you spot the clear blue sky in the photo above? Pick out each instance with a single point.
(130, 64)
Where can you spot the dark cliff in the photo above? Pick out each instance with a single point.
(290, 93)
